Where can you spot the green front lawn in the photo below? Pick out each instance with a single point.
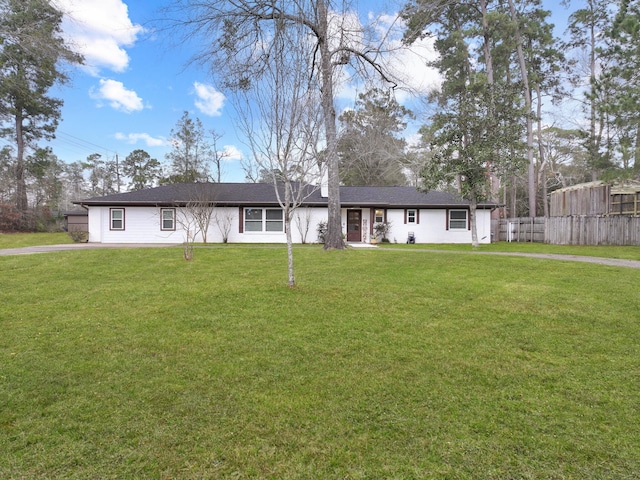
(131, 363)
(626, 253)
(18, 240)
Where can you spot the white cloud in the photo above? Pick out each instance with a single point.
(133, 138)
(99, 30)
(232, 153)
(406, 64)
(410, 63)
(117, 96)
(209, 101)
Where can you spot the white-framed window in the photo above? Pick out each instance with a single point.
(116, 218)
(457, 219)
(412, 216)
(167, 219)
(263, 220)
(379, 216)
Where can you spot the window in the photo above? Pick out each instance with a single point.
(168, 219)
(263, 220)
(116, 218)
(411, 216)
(253, 220)
(274, 221)
(379, 216)
(457, 219)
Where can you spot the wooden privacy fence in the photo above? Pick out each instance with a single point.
(574, 230)
(600, 230)
(523, 229)
(586, 199)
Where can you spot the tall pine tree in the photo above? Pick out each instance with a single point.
(31, 50)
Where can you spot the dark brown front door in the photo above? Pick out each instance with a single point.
(354, 223)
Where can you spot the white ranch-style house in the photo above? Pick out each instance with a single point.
(250, 213)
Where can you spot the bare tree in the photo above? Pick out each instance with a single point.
(251, 170)
(223, 220)
(196, 215)
(201, 207)
(281, 121)
(241, 36)
(190, 227)
(217, 156)
(303, 222)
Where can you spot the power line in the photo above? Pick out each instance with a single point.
(72, 139)
(81, 146)
(73, 144)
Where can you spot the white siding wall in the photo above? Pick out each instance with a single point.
(95, 224)
(305, 221)
(432, 227)
(142, 225)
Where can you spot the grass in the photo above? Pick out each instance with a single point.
(622, 252)
(18, 240)
(135, 364)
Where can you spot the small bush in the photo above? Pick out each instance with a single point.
(381, 230)
(321, 230)
(79, 236)
(10, 218)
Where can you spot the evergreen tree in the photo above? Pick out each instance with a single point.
(103, 176)
(31, 49)
(190, 151)
(587, 27)
(477, 129)
(143, 170)
(75, 183)
(371, 151)
(623, 87)
(46, 172)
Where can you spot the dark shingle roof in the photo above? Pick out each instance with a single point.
(264, 194)
(397, 197)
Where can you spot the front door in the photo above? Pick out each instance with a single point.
(354, 223)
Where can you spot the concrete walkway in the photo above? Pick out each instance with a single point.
(614, 262)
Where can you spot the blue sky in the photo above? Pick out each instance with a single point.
(136, 84)
(133, 87)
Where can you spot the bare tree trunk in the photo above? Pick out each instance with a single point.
(505, 209)
(288, 213)
(531, 177)
(542, 177)
(473, 206)
(545, 201)
(487, 46)
(22, 203)
(334, 222)
(594, 143)
(493, 181)
(217, 156)
(514, 197)
(118, 179)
